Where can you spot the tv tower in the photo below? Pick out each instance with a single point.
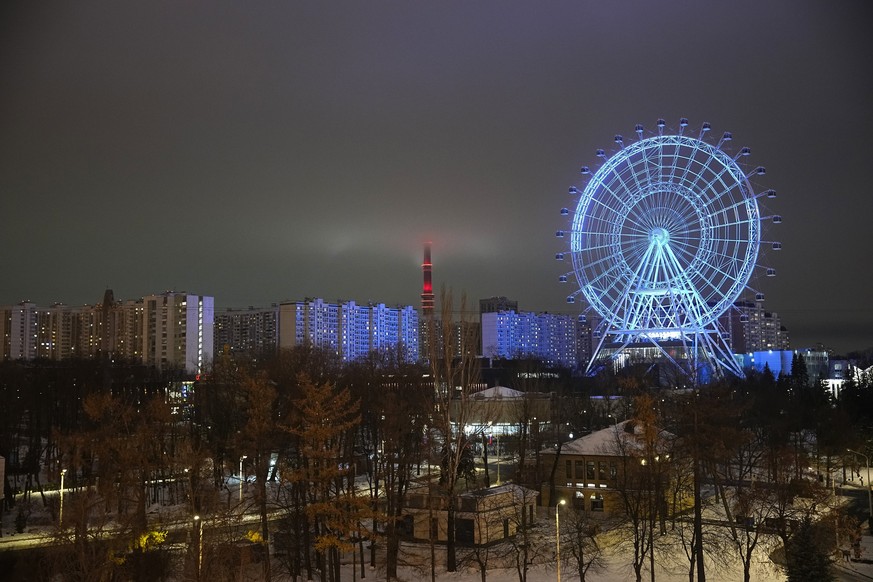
(427, 286)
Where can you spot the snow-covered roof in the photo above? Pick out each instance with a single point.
(498, 393)
(604, 441)
(517, 490)
(599, 442)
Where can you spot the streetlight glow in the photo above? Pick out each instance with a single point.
(61, 509)
(241, 459)
(198, 525)
(558, 535)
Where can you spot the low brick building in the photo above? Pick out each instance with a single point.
(482, 517)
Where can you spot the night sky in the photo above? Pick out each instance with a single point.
(259, 151)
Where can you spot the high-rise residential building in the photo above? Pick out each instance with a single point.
(19, 325)
(349, 330)
(178, 331)
(254, 330)
(56, 332)
(496, 304)
(587, 337)
(126, 330)
(167, 330)
(752, 328)
(546, 336)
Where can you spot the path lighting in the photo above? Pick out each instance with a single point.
(558, 535)
(869, 490)
(241, 459)
(61, 509)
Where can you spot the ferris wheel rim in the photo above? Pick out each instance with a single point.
(703, 207)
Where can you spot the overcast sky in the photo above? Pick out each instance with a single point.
(259, 151)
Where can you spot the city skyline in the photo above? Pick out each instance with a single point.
(265, 153)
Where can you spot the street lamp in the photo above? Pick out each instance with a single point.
(558, 536)
(61, 510)
(241, 459)
(497, 455)
(869, 490)
(198, 527)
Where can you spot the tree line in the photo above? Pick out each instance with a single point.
(332, 450)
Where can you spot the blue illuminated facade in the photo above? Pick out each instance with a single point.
(349, 330)
(779, 362)
(544, 336)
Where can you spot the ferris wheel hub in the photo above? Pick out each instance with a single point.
(659, 236)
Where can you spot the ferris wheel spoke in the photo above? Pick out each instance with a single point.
(609, 209)
(690, 159)
(709, 277)
(606, 275)
(596, 263)
(708, 187)
(616, 193)
(724, 210)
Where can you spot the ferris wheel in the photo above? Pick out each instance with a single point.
(663, 241)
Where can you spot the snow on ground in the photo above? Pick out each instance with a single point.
(618, 568)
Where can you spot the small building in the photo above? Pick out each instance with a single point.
(482, 517)
(500, 411)
(589, 473)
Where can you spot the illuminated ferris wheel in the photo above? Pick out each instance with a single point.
(664, 240)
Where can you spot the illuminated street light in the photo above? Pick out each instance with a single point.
(869, 490)
(61, 510)
(241, 459)
(558, 536)
(198, 527)
(497, 455)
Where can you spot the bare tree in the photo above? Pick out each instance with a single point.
(644, 451)
(531, 542)
(580, 537)
(455, 377)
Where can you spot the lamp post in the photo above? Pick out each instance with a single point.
(558, 536)
(497, 455)
(869, 490)
(241, 459)
(198, 530)
(61, 509)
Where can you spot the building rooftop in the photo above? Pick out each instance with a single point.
(603, 441)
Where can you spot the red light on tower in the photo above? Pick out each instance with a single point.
(427, 286)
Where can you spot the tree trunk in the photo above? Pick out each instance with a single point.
(265, 523)
(451, 559)
(698, 512)
(392, 543)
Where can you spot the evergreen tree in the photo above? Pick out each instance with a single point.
(799, 372)
(807, 557)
